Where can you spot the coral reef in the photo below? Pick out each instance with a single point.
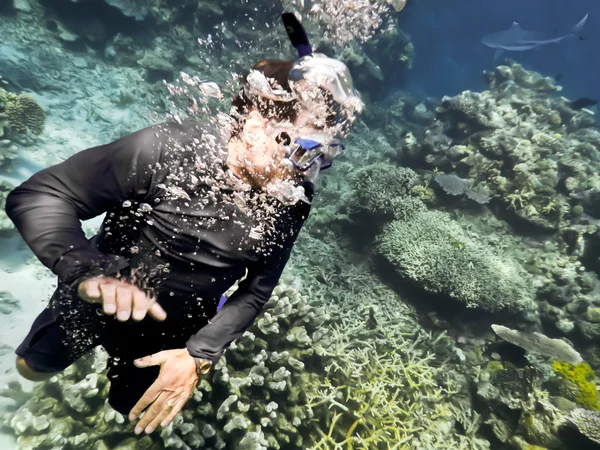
(535, 154)
(255, 397)
(23, 113)
(386, 58)
(454, 185)
(388, 391)
(539, 343)
(377, 189)
(518, 410)
(21, 118)
(269, 391)
(587, 422)
(583, 377)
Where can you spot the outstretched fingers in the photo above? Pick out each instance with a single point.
(150, 416)
(149, 397)
(177, 407)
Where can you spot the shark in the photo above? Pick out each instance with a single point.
(516, 39)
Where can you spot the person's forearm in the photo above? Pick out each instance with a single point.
(48, 208)
(231, 321)
(50, 227)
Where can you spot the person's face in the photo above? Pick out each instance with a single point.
(259, 155)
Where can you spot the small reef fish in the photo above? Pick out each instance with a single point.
(516, 39)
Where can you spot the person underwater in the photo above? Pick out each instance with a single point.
(190, 209)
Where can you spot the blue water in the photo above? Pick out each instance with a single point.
(450, 56)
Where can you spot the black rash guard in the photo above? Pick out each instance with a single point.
(178, 223)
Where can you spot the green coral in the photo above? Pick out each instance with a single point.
(436, 252)
(493, 367)
(23, 112)
(425, 194)
(583, 376)
(377, 187)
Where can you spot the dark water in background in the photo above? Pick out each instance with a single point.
(450, 56)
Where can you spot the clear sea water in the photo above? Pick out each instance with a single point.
(444, 291)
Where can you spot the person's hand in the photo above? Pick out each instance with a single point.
(120, 297)
(169, 393)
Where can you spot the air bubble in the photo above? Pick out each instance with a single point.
(126, 204)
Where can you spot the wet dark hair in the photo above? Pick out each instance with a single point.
(276, 71)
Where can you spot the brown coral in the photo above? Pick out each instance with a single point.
(25, 113)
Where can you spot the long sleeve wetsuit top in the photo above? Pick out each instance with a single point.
(178, 222)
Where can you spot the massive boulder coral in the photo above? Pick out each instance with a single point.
(437, 253)
(20, 117)
(22, 113)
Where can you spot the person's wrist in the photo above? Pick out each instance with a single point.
(203, 365)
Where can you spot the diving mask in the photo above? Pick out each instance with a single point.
(322, 86)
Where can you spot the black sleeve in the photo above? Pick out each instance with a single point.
(244, 305)
(47, 208)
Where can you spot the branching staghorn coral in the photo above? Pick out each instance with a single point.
(382, 390)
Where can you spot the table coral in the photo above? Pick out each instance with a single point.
(436, 252)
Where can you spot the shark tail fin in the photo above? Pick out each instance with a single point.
(579, 27)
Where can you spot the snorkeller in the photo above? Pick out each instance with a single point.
(190, 209)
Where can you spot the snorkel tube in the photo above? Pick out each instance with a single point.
(297, 34)
(308, 154)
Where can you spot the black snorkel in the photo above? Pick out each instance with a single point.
(297, 34)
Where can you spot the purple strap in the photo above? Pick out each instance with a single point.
(221, 302)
